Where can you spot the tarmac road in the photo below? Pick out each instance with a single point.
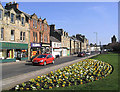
(11, 70)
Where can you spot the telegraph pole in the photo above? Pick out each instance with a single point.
(96, 40)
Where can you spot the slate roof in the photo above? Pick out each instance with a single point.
(53, 39)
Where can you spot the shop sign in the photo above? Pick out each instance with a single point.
(45, 45)
(35, 45)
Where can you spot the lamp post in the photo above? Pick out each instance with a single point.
(96, 40)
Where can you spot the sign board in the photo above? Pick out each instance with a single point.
(35, 44)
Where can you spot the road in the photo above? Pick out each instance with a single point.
(21, 68)
(18, 73)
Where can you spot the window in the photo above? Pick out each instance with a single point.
(12, 34)
(36, 37)
(23, 36)
(40, 25)
(45, 39)
(12, 17)
(33, 23)
(20, 35)
(2, 33)
(0, 14)
(22, 20)
(45, 27)
(33, 36)
(36, 23)
(41, 38)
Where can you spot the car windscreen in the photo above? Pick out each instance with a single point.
(41, 56)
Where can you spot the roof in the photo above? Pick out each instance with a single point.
(53, 39)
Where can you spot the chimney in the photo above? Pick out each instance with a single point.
(11, 5)
(52, 27)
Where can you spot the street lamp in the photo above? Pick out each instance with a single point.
(96, 40)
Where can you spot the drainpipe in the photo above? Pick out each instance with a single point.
(29, 45)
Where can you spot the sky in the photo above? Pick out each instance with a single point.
(79, 17)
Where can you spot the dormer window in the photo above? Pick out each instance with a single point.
(22, 20)
(12, 17)
(0, 14)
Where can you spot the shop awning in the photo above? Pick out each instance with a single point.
(8, 45)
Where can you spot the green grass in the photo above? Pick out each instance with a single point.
(108, 83)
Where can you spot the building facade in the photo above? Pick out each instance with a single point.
(63, 37)
(55, 44)
(74, 45)
(14, 26)
(39, 36)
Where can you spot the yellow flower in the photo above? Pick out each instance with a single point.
(63, 85)
(38, 76)
(27, 88)
(38, 84)
(21, 88)
(41, 80)
(50, 87)
(81, 82)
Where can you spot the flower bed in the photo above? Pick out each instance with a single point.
(82, 72)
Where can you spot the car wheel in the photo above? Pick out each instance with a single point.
(53, 62)
(44, 63)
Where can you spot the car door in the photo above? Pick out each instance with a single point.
(48, 59)
(51, 58)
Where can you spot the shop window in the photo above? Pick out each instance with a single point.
(1, 14)
(20, 35)
(22, 20)
(2, 33)
(12, 17)
(12, 35)
(23, 36)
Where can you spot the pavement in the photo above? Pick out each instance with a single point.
(10, 82)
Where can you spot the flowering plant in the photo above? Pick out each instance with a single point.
(82, 72)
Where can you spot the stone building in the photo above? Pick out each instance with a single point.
(84, 43)
(14, 26)
(113, 39)
(63, 37)
(75, 45)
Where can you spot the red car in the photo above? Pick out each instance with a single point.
(43, 59)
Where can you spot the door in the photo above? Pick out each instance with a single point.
(18, 56)
(48, 59)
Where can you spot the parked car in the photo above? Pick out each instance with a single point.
(81, 54)
(88, 53)
(43, 59)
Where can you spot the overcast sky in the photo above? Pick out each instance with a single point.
(79, 18)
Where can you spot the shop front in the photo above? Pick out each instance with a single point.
(45, 48)
(10, 52)
(35, 49)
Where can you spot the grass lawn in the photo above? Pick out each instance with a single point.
(108, 83)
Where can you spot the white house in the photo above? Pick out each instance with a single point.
(56, 50)
(94, 48)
